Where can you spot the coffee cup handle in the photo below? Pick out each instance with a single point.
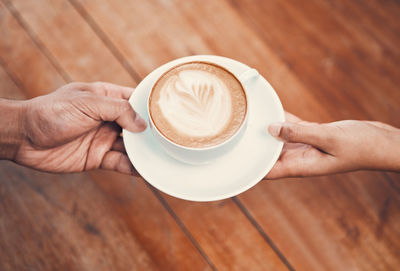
(248, 75)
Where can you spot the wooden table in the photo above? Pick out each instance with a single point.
(327, 60)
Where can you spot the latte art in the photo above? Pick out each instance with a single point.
(196, 103)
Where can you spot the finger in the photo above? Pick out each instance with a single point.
(383, 125)
(108, 89)
(100, 144)
(316, 135)
(291, 118)
(120, 111)
(303, 162)
(118, 145)
(284, 166)
(276, 172)
(291, 146)
(117, 161)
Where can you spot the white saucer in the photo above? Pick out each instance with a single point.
(243, 167)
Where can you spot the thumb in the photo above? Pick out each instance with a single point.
(312, 134)
(120, 111)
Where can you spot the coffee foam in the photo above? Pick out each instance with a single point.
(198, 104)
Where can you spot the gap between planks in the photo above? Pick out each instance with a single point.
(11, 75)
(37, 41)
(107, 41)
(264, 235)
(181, 225)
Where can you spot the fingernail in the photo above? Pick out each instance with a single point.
(139, 121)
(274, 129)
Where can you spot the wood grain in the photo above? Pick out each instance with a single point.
(334, 237)
(226, 235)
(327, 60)
(76, 61)
(259, 250)
(55, 229)
(27, 65)
(348, 63)
(9, 88)
(148, 220)
(317, 227)
(164, 227)
(189, 27)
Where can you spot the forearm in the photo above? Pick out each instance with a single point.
(369, 145)
(11, 127)
(388, 152)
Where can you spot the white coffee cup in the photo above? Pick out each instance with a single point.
(203, 155)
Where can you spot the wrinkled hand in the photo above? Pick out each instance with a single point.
(313, 149)
(77, 128)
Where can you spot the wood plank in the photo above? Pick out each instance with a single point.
(353, 62)
(158, 234)
(352, 235)
(348, 222)
(226, 235)
(294, 80)
(25, 65)
(149, 41)
(76, 56)
(45, 225)
(150, 223)
(9, 88)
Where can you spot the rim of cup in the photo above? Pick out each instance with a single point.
(153, 126)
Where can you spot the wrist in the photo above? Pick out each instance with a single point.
(390, 157)
(12, 114)
(387, 149)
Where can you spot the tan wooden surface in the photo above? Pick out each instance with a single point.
(327, 60)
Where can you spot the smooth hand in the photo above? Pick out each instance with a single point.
(313, 149)
(77, 128)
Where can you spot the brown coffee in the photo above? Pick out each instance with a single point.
(198, 104)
